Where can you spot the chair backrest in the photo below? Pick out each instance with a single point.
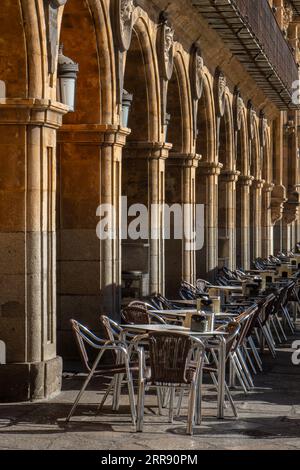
(169, 355)
(245, 321)
(135, 315)
(111, 332)
(83, 337)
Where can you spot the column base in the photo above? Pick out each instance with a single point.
(30, 381)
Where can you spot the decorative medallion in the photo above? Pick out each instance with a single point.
(263, 126)
(220, 92)
(251, 120)
(197, 73)
(51, 15)
(287, 17)
(238, 110)
(124, 23)
(166, 47)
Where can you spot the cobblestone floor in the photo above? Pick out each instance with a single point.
(269, 418)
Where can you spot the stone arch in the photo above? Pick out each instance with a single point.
(242, 161)
(226, 142)
(15, 61)
(206, 123)
(179, 106)
(256, 154)
(226, 188)
(96, 89)
(206, 177)
(243, 195)
(142, 30)
(84, 281)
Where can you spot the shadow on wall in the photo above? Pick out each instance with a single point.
(85, 309)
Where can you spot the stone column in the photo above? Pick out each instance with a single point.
(243, 225)
(145, 181)
(227, 217)
(267, 226)
(256, 218)
(181, 189)
(28, 248)
(207, 194)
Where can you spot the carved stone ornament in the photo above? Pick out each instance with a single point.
(197, 73)
(263, 129)
(287, 17)
(220, 92)
(238, 110)
(251, 121)
(166, 48)
(51, 15)
(124, 10)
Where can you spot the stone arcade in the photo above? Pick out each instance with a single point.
(212, 122)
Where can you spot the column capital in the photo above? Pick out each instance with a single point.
(277, 202)
(245, 180)
(229, 176)
(185, 160)
(258, 184)
(209, 168)
(268, 187)
(151, 150)
(36, 112)
(93, 134)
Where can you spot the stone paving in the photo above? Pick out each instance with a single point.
(269, 418)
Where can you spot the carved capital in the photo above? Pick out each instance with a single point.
(209, 168)
(185, 160)
(291, 207)
(230, 176)
(258, 184)
(277, 202)
(245, 180)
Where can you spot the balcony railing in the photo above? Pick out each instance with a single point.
(251, 31)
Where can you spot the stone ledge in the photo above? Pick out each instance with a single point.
(30, 381)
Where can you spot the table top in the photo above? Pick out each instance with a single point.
(229, 288)
(185, 302)
(173, 328)
(184, 312)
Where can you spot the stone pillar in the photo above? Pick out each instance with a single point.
(227, 218)
(90, 159)
(144, 180)
(256, 217)
(207, 194)
(267, 226)
(181, 189)
(243, 225)
(28, 249)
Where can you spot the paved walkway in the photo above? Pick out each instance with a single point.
(269, 419)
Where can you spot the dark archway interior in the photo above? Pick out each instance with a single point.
(223, 237)
(78, 188)
(173, 248)
(135, 164)
(202, 196)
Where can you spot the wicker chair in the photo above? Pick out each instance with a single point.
(118, 368)
(170, 356)
(139, 315)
